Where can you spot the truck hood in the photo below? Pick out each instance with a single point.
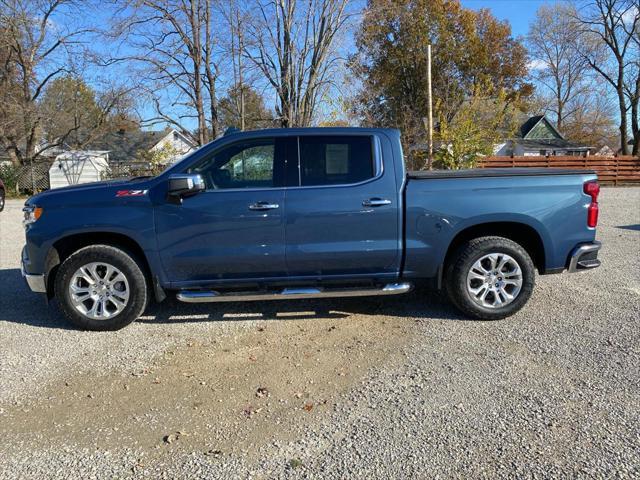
(63, 193)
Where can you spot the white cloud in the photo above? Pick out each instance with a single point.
(537, 64)
(630, 15)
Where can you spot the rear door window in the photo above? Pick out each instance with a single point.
(335, 160)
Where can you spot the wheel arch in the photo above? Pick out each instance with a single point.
(522, 233)
(67, 245)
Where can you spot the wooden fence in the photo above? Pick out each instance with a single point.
(610, 170)
(130, 169)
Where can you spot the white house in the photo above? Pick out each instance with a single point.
(78, 166)
(176, 141)
(124, 145)
(539, 137)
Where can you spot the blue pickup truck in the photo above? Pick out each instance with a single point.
(306, 213)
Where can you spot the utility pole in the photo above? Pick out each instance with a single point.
(241, 80)
(430, 113)
(237, 46)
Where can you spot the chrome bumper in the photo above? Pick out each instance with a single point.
(36, 282)
(584, 257)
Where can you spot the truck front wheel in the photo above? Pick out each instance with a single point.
(101, 287)
(489, 278)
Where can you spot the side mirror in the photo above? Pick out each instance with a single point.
(185, 185)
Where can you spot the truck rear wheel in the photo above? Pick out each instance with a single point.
(101, 287)
(490, 278)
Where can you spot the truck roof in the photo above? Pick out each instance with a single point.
(312, 131)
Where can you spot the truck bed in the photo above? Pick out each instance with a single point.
(496, 172)
(545, 203)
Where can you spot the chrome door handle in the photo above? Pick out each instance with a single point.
(376, 202)
(263, 206)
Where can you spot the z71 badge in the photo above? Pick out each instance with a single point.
(131, 193)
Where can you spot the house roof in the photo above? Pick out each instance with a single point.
(542, 144)
(538, 133)
(539, 127)
(124, 145)
(185, 138)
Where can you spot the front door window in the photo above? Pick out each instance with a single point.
(242, 165)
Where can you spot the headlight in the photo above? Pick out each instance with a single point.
(31, 214)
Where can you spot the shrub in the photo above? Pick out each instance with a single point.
(9, 175)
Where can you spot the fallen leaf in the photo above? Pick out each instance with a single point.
(295, 463)
(210, 453)
(249, 411)
(172, 437)
(308, 407)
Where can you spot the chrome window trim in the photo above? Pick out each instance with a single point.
(378, 165)
(222, 190)
(257, 140)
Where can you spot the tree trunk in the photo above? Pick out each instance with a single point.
(623, 121)
(13, 156)
(560, 119)
(635, 128)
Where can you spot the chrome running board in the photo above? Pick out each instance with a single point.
(204, 296)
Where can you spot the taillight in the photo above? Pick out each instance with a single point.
(592, 188)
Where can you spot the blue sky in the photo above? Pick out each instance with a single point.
(519, 13)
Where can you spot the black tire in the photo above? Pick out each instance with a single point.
(463, 259)
(120, 259)
(2, 200)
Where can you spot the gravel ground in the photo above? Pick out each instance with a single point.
(361, 388)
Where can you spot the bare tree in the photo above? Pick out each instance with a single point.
(38, 42)
(293, 43)
(594, 119)
(632, 85)
(559, 66)
(236, 18)
(175, 43)
(613, 26)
